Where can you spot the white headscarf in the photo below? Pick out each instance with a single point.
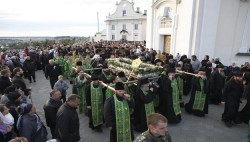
(96, 56)
(7, 119)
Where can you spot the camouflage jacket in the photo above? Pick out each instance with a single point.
(148, 137)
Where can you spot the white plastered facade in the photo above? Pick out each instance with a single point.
(218, 28)
(116, 21)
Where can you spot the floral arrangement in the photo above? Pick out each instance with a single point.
(144, 70)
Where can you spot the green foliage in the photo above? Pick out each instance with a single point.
(19, 45)
(124, 64)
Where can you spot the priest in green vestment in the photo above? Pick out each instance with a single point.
(117, 115)
(169, 104)
(198, 103)
(95, 99)
(144, 104)
(81, 87)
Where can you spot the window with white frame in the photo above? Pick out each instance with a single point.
(245, 43)
(113, 37)
(124, 27)
(124, 37)
(124, 13)
(136, 26)
(113, 27)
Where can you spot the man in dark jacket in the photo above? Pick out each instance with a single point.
(29, 68)
(52, 71)
(17, 79)
(50, 109)
(4, 80)
(67, 121)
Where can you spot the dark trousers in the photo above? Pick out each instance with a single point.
(31, 74)
(63, 97)
(52, 130)
(52, 81)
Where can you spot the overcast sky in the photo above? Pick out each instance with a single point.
(56, 17)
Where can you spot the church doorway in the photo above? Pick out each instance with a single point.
(167, 41)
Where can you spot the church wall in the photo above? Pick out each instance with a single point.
(184, 23)
(210, 19)
(218, 28)
(230, 32)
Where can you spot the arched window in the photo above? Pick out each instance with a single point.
(165, 22)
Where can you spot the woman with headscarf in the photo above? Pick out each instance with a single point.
(30, 125)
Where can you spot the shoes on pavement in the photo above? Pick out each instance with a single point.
(229, 124)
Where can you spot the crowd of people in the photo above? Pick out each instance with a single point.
(103, 95)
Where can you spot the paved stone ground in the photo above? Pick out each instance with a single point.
(191, 128)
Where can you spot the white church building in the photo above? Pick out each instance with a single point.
(218, 28)
(126, 23)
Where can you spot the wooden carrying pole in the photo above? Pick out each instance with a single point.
(92, 69)
(135, 81)
(188, 73)
(102, 83)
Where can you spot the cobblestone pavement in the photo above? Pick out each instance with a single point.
(191, 128)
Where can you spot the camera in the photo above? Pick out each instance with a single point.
(154, 84)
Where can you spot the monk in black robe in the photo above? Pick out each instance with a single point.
(111, 117)
(217, 82)
(169, 104)
(245, 112)
(232, 93)
(144, 96)
(187, 67)
(198, 103)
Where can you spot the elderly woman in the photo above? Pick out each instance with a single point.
(30, 125)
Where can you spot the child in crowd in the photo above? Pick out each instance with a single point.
(62, 86)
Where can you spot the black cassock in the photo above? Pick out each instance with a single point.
(232, 94)
(196, 87)
(217, 83)
(110, 116)
(140, 120)
(166, 100)
(88, 101)
(245, 112)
